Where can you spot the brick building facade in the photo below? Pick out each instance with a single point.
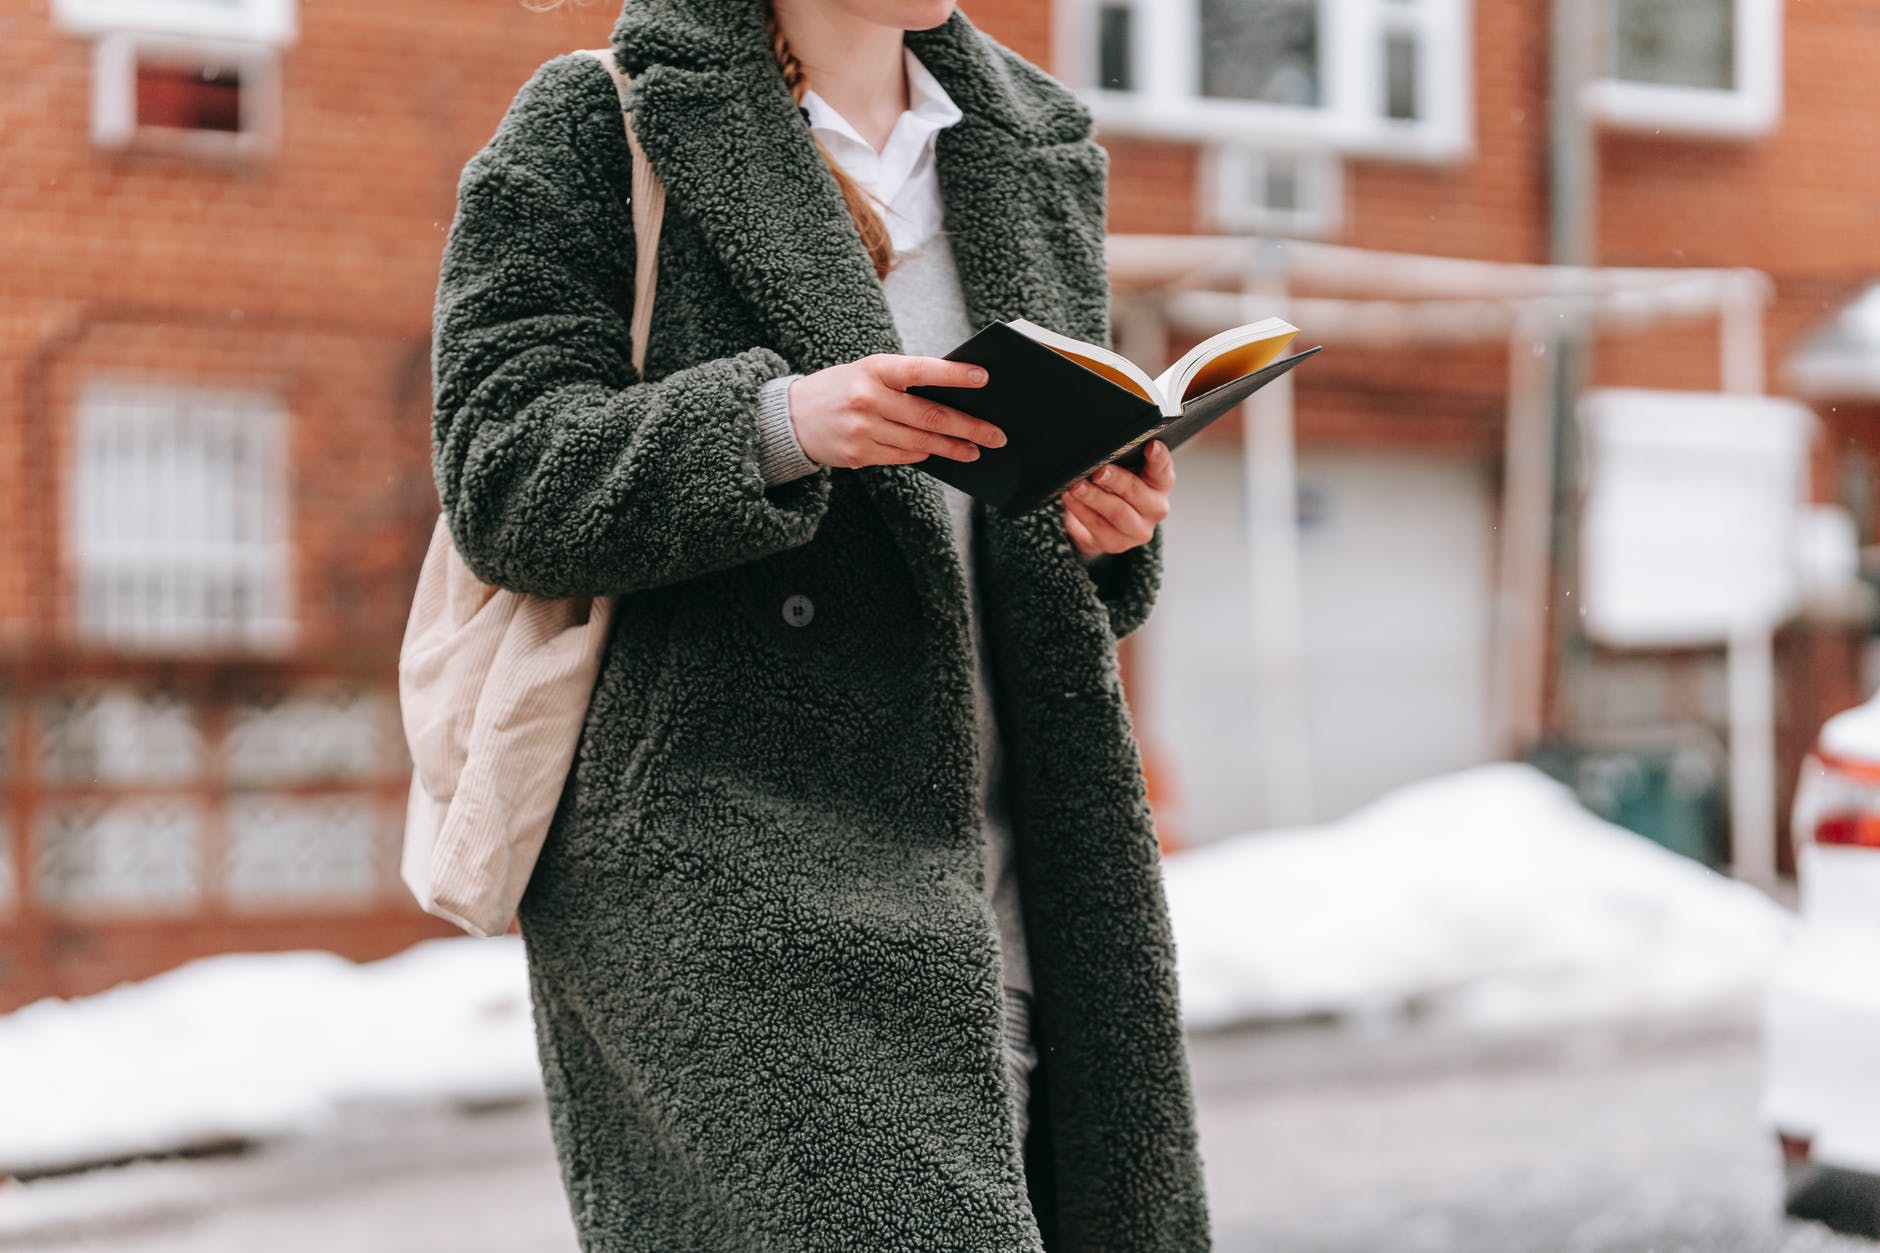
(221, 226)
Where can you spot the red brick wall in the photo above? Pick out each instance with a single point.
(311, 271)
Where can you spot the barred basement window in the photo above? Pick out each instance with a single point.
(288, 851)
(118, 736)
(132, 855)
(344, 732)
(178, 521)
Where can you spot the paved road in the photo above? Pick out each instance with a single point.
(1315, 1144)
(428, 1181)
(1605, 1145)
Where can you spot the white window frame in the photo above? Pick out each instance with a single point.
(1751, 108)
(274, 22)
(1227, 170)
(115, 57)
(103, 532)
(1166, 101)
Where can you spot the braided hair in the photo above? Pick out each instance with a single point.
(860, 204)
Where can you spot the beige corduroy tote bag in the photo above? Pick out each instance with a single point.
(493, 685)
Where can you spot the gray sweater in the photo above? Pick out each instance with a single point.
(923, 291)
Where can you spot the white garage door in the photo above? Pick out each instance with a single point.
(1397, 551)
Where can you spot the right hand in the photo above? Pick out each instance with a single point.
(859, 413)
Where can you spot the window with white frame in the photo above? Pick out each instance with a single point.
(210, 98)
(1388, 78)
(1273, 191)
(178, 517)
(194, 76)
(1697, 67)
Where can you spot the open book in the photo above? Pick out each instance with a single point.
(1068, 407)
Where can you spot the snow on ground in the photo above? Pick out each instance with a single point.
(1488, 899)
(255, 1045)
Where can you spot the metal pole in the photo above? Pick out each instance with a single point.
(1750, 653)
(1520, 679)
(1752, 686)
(1742, 331)
(1573, 189)
(1572, 155)
(1269, 466)
(1141, 334)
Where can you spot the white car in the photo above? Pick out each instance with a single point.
(1822, 1013)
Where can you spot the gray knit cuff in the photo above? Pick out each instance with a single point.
(779, 457)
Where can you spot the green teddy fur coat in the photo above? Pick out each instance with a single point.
(763, 970)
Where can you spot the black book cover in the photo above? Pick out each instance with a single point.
(1062, 419)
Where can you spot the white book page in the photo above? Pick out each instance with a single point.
(1232, 354)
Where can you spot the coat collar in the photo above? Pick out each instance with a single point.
(720, 127)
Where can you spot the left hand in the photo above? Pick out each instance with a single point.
(1115, 510)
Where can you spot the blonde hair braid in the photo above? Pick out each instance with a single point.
(860, 204)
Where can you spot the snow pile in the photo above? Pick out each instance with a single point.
(1488, 898)
(253, 1045)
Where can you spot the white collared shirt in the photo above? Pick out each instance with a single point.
(902, 175)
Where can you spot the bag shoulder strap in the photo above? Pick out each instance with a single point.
(649, 213)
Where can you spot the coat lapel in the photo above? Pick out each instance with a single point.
(760, 193)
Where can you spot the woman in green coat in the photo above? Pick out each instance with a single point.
(765, 972)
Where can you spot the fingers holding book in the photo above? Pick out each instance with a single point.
(1115, 510)
(860, 414)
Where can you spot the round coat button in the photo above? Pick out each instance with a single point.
(798, 611)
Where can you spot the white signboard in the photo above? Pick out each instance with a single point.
(1693, 511)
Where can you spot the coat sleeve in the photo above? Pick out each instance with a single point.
(1128, 583)
(562, 473)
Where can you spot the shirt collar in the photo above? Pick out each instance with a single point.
(930, 109)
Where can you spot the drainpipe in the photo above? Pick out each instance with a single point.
(1571, 154)
(1518, 690)
(1573, 232)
